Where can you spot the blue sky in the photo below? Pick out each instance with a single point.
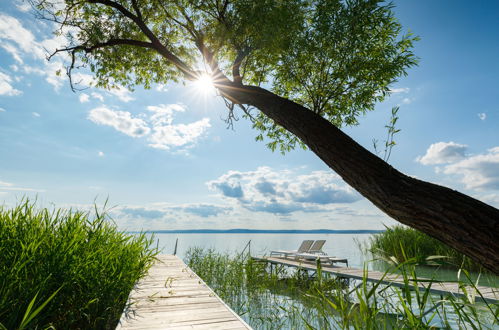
(166, 160)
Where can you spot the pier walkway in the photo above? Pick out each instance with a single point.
(172, 296)
(488, 294)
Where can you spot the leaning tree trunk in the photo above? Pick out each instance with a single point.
(462, 222)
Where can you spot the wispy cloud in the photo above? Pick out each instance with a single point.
(283, 192)
(8, 186)
(476, 172)
(202, 210)
(443, 152)
(97, 96)
(36, 114)
(158, 125)
(404, 90)
(479, 171)
(84, 98)
(5, 86)
(181, 135)
(122, 121)
(121, 93)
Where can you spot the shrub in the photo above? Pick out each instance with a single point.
(83, 259)
(419, 246)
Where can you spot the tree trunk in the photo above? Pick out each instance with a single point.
(462, 222)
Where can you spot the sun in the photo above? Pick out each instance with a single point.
(204, 84)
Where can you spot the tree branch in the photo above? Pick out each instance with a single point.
(236, 73)
(189, 73)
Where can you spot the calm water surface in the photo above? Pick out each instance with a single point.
(339, 245)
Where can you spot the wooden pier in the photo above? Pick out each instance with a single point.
(488, 294)
(172, 296)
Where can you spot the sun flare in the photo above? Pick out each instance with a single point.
(204, 84)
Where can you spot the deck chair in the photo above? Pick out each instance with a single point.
(316, 248)
(323, 257)
(304, 247)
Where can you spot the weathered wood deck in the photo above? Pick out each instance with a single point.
(489, 294)
(172, 296)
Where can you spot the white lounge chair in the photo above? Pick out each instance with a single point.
(323, 257)
(316, 248)
(304, 247)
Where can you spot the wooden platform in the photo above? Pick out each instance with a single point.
(489, 294)
(172, 296)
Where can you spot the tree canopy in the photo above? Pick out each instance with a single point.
(307, 67)
(334, 57)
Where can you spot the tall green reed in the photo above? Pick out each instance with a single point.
(76, 266)
(275, 298)
(419, 246)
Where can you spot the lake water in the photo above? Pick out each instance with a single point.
(339, 245)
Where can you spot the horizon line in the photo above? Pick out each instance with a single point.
(262, 231)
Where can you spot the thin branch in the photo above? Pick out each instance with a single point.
(236, 73)
(110, 42)
(165, 52)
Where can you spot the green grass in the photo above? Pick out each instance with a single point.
(281, 298)
(419, 246)
(66, 269)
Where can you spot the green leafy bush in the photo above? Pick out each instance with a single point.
(79, 264)
(419, 246)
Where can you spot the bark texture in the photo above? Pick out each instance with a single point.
(460, 221)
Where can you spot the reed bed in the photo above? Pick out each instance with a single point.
(280, 298)
(403, 243)
(66, 269)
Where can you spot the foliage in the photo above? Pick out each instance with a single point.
(65, 268)
(389, 143)
(276, 298)
(417, 245)
(336, 58)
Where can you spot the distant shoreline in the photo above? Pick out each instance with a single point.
(262, 231)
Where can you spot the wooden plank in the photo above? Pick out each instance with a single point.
(172, 296)
(443, 288)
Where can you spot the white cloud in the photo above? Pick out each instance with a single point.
(443, 152)
(101, 154)
(23, 6)
(13, 51)
(122, 93)
(167, 135)
(285, 191)
(5, 86)
(181, 135)
(53, 72)
(19, 42)
(97, 96)
(482, 116)
(163, 114)
(84, 98)
(478, 172)
(407, 100)
(35, 114)
(2, 110)
(162, 132)
(12, 187)
(11, 29)
(404, 90)
(161, 88)
(119, 120)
